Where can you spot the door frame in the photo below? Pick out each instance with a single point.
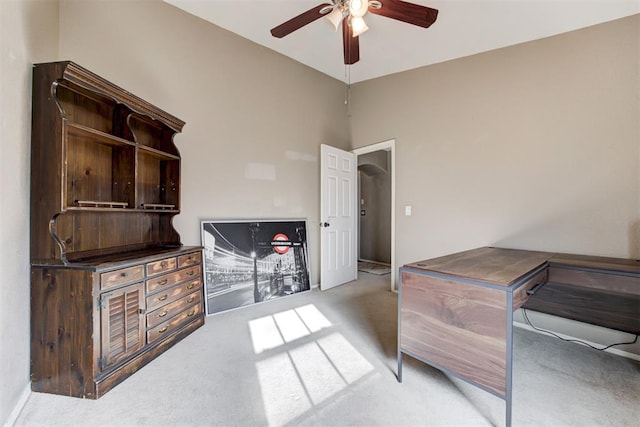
(388, 145)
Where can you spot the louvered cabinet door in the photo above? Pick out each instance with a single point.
(122, 323)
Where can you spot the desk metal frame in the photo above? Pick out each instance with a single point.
(489, 386)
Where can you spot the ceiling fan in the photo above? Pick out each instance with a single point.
(350, 14)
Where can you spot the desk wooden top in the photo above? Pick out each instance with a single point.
(493, 265)
(506, 266)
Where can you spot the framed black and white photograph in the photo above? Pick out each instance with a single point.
(251, 261)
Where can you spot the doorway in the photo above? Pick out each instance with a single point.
(376, 205)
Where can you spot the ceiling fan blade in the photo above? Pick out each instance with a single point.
(299, 21)
(410, 13)
(351, 45)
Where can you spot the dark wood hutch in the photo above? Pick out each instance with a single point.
(112, 286)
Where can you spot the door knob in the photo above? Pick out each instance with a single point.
(324, 224)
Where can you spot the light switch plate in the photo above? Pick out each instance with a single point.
(407, 210)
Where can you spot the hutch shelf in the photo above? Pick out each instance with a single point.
(112, 287)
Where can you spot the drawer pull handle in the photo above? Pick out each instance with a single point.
(535, 289)
(191, 313)
(125, 274)
(163, 297)
(164, 313)
(192, 299)
(163, 282)
(191, 285)
(163, 330)
(164, 264)
(190, 273)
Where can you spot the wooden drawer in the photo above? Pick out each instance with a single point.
(171, 294)
(520, 295)
(602, 279)
(170, 326)
(189, 259)
(166, 280)
(120, 277)
(168, 311)
(161, 266)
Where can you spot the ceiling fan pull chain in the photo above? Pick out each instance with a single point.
(347, 82)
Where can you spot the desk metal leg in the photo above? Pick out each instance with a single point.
(399, 366)
(507, 397)
(509, 360)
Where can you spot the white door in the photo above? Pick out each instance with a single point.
(338, 262)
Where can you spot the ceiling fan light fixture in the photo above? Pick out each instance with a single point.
(358, 26)
(357, 8)
(335, 17)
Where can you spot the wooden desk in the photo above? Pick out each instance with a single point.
(455, 312)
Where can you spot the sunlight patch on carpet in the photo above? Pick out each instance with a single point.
(313, 365)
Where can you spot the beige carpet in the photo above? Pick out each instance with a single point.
(374, 268)
(329, 359)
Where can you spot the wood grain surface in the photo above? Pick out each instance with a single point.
(520, 295)
(91, 181)
(596, 262)
(597, 307)
(63, 335)
(492, 265)
(457, 326)
(603, 280)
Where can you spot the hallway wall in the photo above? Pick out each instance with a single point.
(375, 225)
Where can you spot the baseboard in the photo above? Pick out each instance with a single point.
(13, 416)
(617, 352)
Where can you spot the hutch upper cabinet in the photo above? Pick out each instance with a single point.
(111, 284)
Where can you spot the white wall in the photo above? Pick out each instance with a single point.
(534, 146)
(255, 119)
(28, 34)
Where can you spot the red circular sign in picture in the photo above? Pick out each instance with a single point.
(281, 249)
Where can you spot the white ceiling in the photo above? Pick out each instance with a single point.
(464, 27)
